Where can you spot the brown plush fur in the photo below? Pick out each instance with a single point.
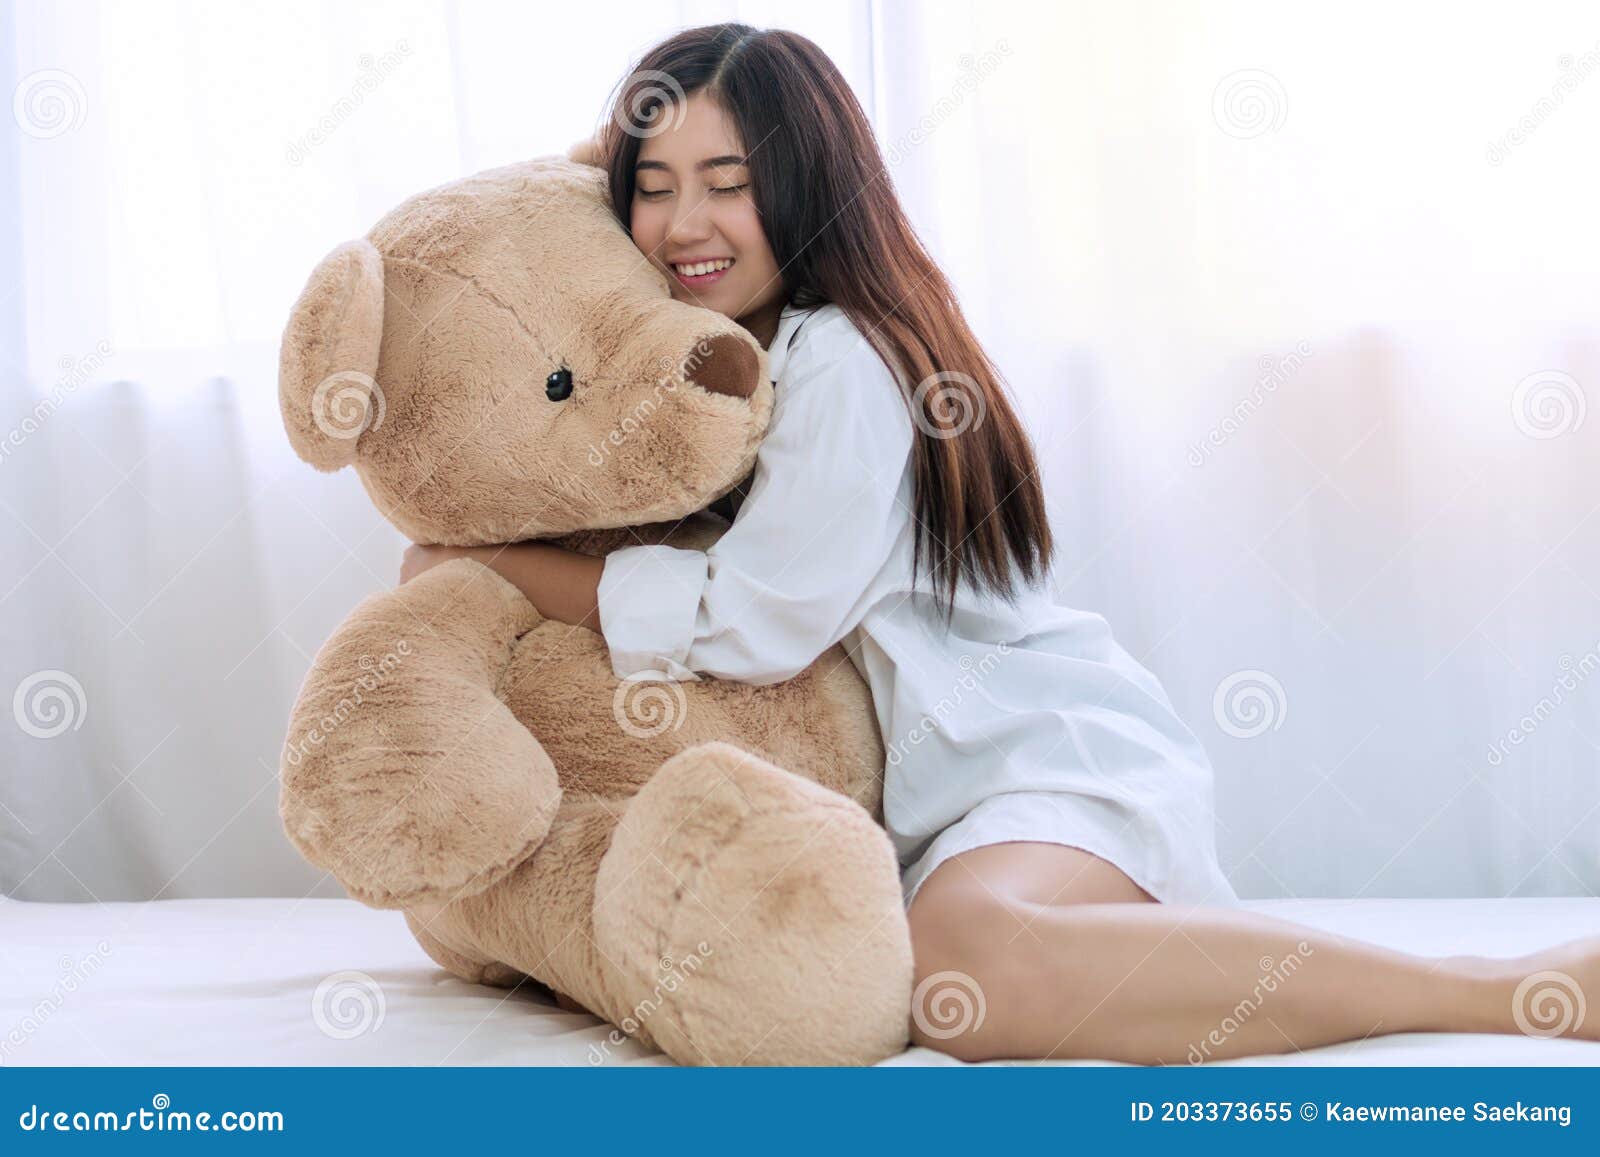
(696, 862)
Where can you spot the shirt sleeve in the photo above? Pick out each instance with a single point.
(793, 574)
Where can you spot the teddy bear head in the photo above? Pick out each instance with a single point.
(499, 362)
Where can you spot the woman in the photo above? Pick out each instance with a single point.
(1051, 813)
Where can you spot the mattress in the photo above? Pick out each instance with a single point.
(330, 982)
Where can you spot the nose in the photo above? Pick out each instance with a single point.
(724, 364)
(693, 226)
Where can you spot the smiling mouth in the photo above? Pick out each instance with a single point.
(701, 273)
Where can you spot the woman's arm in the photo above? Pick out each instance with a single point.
(561, 584)
(798, 567)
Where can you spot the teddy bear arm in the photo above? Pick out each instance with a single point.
(404, 774)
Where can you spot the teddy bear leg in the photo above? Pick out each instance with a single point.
(447, 958)
(755, 917)
(538, 921)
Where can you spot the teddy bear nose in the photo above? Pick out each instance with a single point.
(724, 365)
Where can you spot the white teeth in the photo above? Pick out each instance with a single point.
(703, 267)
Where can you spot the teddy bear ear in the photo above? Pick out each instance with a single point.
(326, 365)
(590, 151)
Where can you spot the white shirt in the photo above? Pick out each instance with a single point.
(1034, 697)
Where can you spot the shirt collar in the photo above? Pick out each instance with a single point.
(778, 352)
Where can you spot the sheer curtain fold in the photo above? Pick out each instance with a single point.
(1302, 320)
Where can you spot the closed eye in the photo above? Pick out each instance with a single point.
(656, 194)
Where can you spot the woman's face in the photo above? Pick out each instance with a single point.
(694, 217)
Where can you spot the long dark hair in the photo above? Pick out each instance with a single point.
(839, 235)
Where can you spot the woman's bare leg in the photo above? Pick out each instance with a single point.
(1037, 950)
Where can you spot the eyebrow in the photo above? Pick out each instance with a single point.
(700, 166)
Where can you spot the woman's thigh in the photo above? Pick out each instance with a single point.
(1024, 873)
(973, 906)
(973, 919)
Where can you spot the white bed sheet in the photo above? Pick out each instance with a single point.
(234, 982)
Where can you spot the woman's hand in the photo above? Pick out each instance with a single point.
(561, 584)
(420, 559)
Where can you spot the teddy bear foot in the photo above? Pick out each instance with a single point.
(756, 916)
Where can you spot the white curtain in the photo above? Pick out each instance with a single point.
(171, 174)
(1299, 305)
(1301, 302)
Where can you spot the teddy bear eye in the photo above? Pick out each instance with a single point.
(558, 386)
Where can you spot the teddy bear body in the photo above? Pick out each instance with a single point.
(818, 725)
(697, 862)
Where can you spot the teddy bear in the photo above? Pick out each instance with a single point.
(699, 862)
